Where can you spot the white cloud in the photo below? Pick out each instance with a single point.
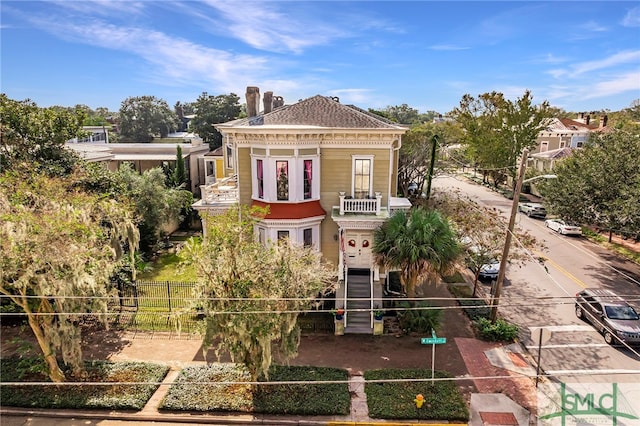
(576, 70)
(263, 26)
(103, 7)
(632, 18)
(355, 96)
(447, 47)
(171, 60)
(620, 84)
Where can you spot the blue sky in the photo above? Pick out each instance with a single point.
(578, 55)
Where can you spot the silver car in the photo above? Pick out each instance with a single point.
(609, 314)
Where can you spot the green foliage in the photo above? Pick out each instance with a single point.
(169, 267)
(422, 318)
(179, 175)
(212, 110)
(155, 203)
(497, 130)
(395, 400)
(420, 244)
(61, 244)
(599, 184)
(416, 152)
(37, 136)
(111, 396)
(230, 394)
(252, 294)
(144, 117)
(499, 331)
(456, 277)
(310, 399)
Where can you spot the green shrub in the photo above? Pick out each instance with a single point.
(395, 400)
(191, 390)
(106, 395)
(413, 320)
(499, 331)
(310, 399)
(455, 278)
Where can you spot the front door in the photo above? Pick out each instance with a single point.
(357, 248)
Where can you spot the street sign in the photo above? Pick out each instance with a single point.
(433, 340)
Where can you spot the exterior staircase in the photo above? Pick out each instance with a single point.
(358, 297)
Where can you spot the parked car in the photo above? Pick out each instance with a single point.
(489, 271)
(563, 227)
(533, 210)
(609, 314)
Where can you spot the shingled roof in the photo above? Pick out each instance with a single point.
(319, 111)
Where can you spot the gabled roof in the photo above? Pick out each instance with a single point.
(554, 154)
(318, 111)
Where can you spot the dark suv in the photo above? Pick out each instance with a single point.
(609, 314)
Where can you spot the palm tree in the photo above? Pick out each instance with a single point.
(419, 243)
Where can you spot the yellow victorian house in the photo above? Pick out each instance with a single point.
(328, 173)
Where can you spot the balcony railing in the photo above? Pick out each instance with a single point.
(370, 205)
(223, 191)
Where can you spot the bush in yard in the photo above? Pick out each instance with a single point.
(499, 331)
(395, 400)
(310, 399)
(190, 393)
(112, 396)
(422, 318)
(191, 390)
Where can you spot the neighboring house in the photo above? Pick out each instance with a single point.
(568, 133)
(145, 156)
(328, 174)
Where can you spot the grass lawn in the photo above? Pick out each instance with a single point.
(168, 267)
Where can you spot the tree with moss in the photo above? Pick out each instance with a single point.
(141, 118)
(59, 246)
(252, 292)
(419, 243)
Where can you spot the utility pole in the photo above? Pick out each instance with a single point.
(434, 142)
(495, 297)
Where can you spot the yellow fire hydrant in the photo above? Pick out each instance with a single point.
(419, 400)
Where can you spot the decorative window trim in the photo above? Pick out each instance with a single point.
(354, 160)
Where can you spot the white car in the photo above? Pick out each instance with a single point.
(563, 227)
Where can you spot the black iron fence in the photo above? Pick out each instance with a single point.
(156, 295)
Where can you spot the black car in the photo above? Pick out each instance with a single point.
(609, 314)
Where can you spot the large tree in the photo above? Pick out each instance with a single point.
(420, 243)
(416, 154)
(212, 110)
(144, 117)
(156, 204)
(252, 292)
(59, 247)
(497, 130)
(37, 135)
(600, 183)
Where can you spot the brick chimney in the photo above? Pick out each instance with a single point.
(253, 100)
(278, 101)
(268, 102)
(603, 121)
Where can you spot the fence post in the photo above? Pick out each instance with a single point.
(169, 295)
(135, 294)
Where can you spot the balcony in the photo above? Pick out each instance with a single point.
(371, 205)
(223, 191)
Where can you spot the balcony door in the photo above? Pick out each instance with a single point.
(357, 247)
